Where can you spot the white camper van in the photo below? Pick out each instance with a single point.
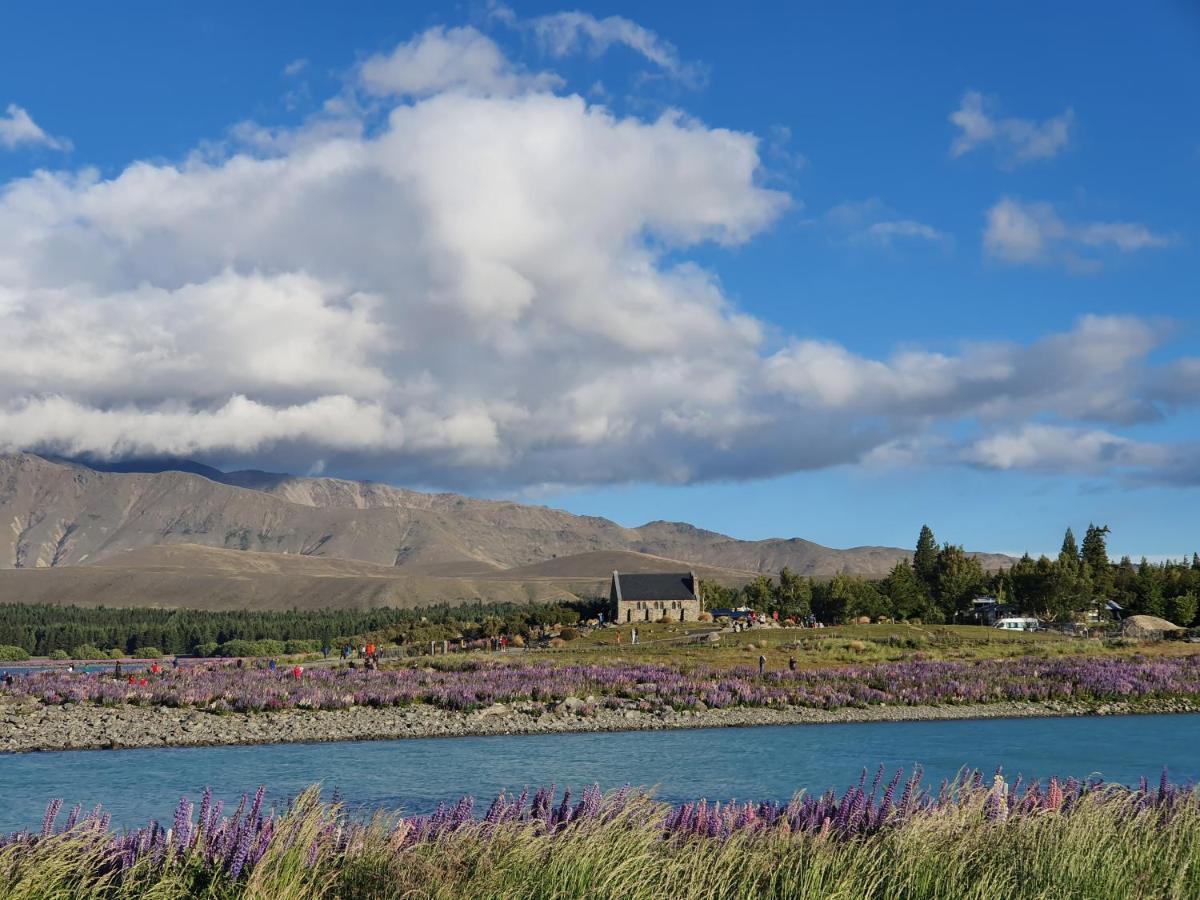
(1018, 623)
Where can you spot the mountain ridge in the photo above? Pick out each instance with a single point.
(64, 514)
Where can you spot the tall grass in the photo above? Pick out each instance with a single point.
(970, 840)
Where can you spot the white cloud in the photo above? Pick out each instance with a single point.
(873, 222)
(1026, 233)
(443, 59)
(1014, 140)
(17, 128)
(1059, 449)
(568, 32)
(295, 67)
(491, 286)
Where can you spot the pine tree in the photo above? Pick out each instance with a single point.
(1196, 562)
(1095, 550)
(1069, 548)
(926, 557)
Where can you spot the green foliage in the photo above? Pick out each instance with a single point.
(146, 653)
(1069, 547)
(793, 595)
(1095, 548)
(1182, 609)
(60, 654)
(41, 629)
(9, 653)
(958, 578)
(925, 558)
(569, 634)
(88, 651)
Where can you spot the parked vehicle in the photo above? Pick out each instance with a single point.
(1019, 623)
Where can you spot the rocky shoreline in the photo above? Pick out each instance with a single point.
(34, 726)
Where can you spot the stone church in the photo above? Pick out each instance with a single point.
(648, 597)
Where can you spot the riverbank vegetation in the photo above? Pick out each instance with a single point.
(887, 838)
(469, 685)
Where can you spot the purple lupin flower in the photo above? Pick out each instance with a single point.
(239, 857)
(52, 810)
(182, 826)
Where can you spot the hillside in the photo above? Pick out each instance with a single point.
(66, 516)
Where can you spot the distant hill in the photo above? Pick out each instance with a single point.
(67, 516)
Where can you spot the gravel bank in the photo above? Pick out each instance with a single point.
(33, 726)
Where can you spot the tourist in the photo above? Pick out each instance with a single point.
(271, 665)
(117, 670)
(792, 663)
(762, 664)
(297, 672)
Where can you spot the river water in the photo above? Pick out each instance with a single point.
(720, 764)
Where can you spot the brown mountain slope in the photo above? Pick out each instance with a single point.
(196, 577)
(55, 514)
(209, 578)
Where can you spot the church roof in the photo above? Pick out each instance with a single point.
(655, 586)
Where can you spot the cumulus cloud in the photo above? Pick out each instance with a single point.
(1094, 372)
(443, 59)
(1057, 449)
(494, 285)
(1014, 140)
(1033, 233)
(17, 129)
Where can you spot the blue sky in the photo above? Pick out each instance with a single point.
(853, 316)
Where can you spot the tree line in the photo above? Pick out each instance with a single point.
(940, 582)
(42, 629)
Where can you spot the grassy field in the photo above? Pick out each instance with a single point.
(678, 644)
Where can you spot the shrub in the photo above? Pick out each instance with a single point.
(704, 617)
(517, 641)
(252, 648)
(568, 634)
(116, 653)
(209, 649)
(87, 651)
(557, 642)
(863, 620)
(302, 646)
(13, 654)
(60, 654)
(147, 653)
(857, 646)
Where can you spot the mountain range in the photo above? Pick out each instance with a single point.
(179, 533)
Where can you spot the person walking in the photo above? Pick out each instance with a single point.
(762, 664)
